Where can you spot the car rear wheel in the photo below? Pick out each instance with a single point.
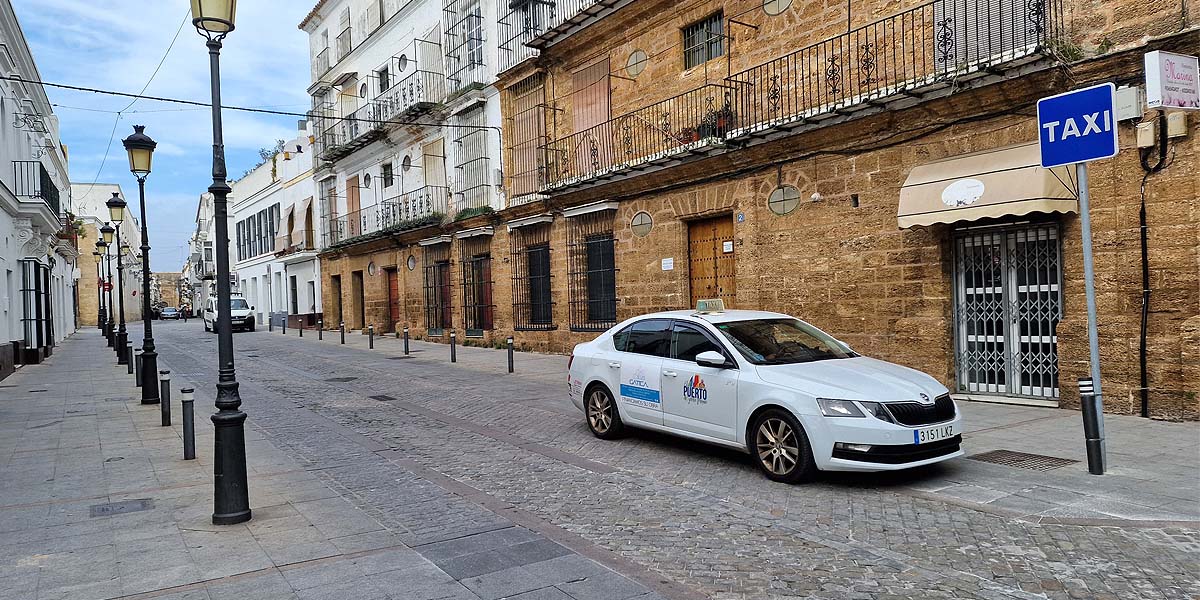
(602, 416)
(781, 448)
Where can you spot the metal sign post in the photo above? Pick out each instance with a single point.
(1073, 128)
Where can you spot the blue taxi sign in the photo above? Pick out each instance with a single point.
(1078, 126)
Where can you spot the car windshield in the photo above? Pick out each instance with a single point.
(238, 304)
(782, 341)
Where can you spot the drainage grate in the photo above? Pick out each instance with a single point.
(36, 391)
(340, 379)
(382, 398)
(120, 508)
(1022, 460)
(399, 357)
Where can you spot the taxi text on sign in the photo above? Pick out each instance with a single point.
(1078, 126)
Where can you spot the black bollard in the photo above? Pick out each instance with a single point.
(189, 424)
(283, 324)
(128, 354)
(320, 330)
(370, 337)
(453, 344)
(406, 340)
(301, 328)
(510, 353)
(164, 396)
(270, 323)
(137, 368)
(1093, 430)
(342, 328)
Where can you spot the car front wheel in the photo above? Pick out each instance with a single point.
(781, 448)
(602, 416)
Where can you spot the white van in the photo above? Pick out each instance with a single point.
(241, 314)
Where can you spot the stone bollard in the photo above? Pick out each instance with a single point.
(164, 396)
(189, 424)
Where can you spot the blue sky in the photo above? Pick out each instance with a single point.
(116, 44)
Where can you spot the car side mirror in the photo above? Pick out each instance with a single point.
(251, 307)
(712, 359)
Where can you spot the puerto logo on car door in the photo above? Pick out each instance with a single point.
(694, 391)
(639, 390)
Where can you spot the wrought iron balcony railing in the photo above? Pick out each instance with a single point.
(320, 64)
(409, 210)
(527, 25)
(419, 91)
(662, 130)
(928, 47)
(32, 180)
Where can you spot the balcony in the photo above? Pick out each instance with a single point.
(320, 65)
(926, 52)
(407, 211)
(31, 180)
(530, 25)
(340, 136)
(419, 92)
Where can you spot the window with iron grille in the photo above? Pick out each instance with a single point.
(473, 188)
(703, 40)
(477, 285)
(527, 134)
(463, 24)
(438, 309)
(533, 305)
(591, 272)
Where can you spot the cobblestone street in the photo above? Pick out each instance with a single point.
(434, 450)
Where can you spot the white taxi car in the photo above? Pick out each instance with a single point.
(767, 384)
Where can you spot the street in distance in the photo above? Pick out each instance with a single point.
(767, 384)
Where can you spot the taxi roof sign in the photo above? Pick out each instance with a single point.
(710, 305)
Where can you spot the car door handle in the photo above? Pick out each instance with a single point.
(670, 373)
(614, 365)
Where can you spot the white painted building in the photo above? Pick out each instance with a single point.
(274, 236)
(37, 253)
(200, 269)
(405, 117)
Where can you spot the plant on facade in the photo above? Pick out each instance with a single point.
(265, 154)
(467, 213)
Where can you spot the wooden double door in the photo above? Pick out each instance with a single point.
(711, 259)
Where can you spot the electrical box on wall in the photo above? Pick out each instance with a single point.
(1130, 103)
(1177, 124)
(1145, 134)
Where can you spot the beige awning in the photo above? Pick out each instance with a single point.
(300, 227)
(997, 183)
(281, 230)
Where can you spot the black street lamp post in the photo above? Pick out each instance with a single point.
(231, 501)
(106, 233)
(116, 209)
(141, 150)
(99, 289)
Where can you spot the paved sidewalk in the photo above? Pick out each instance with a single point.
(74, 439)
(1153, 471)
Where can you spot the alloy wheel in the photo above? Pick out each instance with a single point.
(599, 411)
(777, 446)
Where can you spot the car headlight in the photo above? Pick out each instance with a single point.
(878, 411)
(839, 408)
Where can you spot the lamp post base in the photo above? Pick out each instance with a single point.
(231, 498)
(150, 386)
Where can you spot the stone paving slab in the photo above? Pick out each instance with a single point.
(87, 441)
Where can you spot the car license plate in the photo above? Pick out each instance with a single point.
(933, 434)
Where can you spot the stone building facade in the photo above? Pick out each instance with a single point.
(789, 156)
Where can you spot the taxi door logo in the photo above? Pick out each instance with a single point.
(695, 391)
(637, 391)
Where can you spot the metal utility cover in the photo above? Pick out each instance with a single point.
(1022, 460)
(120, 508)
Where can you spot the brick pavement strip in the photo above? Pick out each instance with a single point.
(700, 517)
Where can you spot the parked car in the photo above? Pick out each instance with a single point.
(241, 314)
(170, 312)
(794, 397)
